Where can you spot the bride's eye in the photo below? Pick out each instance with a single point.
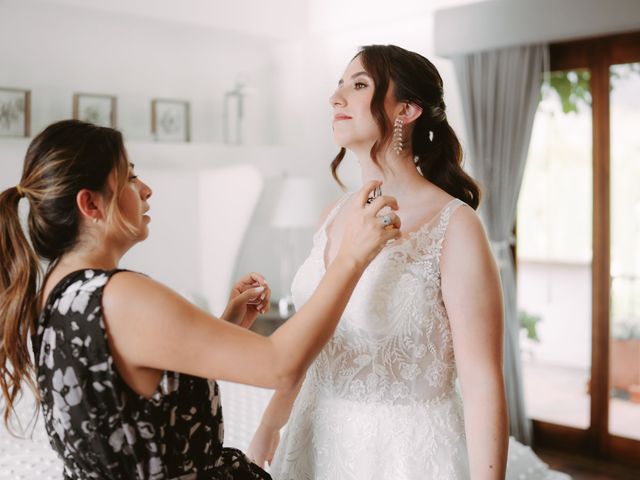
(359, 85)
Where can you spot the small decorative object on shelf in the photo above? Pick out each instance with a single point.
(97, 109)
(15, 112)
(170, 120)
(234, 114)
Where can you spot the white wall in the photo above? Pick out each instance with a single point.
(55, 50)
(273, 19)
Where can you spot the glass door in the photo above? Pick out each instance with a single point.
(578, 252)
(555, 254)
(624, 347)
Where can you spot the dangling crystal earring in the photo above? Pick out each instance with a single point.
(397, 144)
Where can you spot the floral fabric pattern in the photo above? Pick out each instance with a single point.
(99, 426)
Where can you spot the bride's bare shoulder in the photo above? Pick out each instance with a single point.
(464, 221)
(465, 233)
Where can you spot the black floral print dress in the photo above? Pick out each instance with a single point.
(100, 427)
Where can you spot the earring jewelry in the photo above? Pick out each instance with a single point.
(398, 134)
(95, 219)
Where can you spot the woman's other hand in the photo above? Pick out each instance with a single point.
(249, 297)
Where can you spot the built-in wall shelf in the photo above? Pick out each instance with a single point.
(269, 159)
(203, 155)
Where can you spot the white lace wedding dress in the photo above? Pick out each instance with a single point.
(380, 401)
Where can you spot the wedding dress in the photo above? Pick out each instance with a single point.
(380, 401)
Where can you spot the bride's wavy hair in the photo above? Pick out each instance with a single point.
(435, 146)
(66, 157)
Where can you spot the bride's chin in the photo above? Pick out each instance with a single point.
(341, 143)
(341, 139)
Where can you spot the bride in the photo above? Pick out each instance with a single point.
(380, 401)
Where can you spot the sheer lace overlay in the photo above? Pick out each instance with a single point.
(380, 400)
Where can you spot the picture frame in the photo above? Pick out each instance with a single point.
(94, 108)
(15, 112)
(170, 120)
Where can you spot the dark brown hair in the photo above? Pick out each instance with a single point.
(65, 158)
(434, 144)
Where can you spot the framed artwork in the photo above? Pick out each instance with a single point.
(97, 109)
(170, 120)
(15, 112)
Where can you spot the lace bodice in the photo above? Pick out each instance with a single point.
(393, 343)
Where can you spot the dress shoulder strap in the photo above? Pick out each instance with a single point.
(444, 217)
(334, 211)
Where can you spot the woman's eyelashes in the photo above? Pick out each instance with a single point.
(359, 85)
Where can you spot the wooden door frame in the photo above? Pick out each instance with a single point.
(597, 55)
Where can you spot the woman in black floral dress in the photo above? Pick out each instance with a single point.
(103, 428)
(122, 363)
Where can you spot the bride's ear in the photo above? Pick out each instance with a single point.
(409, 112)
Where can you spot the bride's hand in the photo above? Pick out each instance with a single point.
(366, 231)
(263, 445)
(249, 297)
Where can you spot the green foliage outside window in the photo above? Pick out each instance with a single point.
(528, 322)
(572, 86)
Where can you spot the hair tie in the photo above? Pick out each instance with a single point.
(20, 190)
(438, 114)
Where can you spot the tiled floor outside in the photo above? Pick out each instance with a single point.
(559, 395)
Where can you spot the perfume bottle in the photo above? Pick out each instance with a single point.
(376, 193)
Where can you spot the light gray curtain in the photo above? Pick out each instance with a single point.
(500, 93)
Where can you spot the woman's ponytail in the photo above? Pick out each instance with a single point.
(20, 274)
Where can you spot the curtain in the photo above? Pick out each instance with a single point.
(500, 94)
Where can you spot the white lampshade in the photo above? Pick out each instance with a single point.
(298, 204)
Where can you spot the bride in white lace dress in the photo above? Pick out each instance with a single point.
(380, 401)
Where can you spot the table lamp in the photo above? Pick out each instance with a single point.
(297, 208)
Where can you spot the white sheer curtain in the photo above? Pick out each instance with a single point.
(500, 93)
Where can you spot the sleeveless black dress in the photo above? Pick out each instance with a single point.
(100, 427)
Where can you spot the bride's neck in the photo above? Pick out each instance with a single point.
(398, 173)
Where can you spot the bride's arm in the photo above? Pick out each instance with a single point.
(473, 299)
(267, 436)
